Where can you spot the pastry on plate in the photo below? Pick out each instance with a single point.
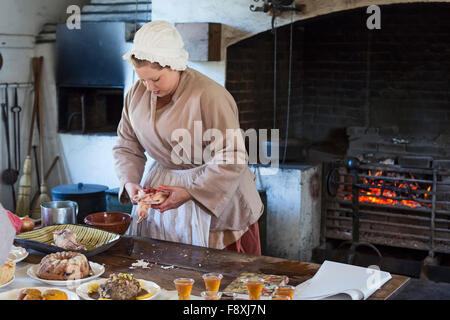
(66, 265)
(7, 271)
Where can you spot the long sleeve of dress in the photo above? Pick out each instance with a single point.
(218, 183)
(129, 155)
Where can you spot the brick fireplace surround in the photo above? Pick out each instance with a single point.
(382, 93)
(394, 80)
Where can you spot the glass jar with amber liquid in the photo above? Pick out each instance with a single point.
(184, 287)
(254, 287)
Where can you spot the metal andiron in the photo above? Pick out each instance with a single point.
(353, 166)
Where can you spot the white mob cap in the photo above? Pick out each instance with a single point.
(159, 41)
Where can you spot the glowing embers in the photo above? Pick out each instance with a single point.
(393, 189)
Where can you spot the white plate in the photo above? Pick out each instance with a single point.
(12, 294)
(151, 287)
(175, 297)
(97, 269)
(17, 254)
(5, 284)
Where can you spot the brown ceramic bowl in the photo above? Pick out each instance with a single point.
(117, 222)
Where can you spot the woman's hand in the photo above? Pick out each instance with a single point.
(132, 190)
(142, 209)
(178, 196)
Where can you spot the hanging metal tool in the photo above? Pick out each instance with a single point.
(10, 175)
(277, 7)
(15, 109)
(353, 165)
(286, 136)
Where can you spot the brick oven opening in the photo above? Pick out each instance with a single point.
(376, 97)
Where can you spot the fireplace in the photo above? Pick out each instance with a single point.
(395, 205)
(394, 82)
(379, 98)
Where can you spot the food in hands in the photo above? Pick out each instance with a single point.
(151, 196)
(66, 265)
(147, 197)
(66, 239)
(7, 271)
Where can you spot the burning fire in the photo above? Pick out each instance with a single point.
(387, 189)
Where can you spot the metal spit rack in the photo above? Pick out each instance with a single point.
(429, 220)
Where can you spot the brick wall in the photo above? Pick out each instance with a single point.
(346, 75)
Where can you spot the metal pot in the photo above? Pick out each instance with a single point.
(59, 212)
(90, 197)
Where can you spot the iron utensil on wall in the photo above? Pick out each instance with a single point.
(15, 109)
(9, 176)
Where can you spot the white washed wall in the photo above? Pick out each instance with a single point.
(20, 22)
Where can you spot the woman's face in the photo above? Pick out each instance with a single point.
(161, 83)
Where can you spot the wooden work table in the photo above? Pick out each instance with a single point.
(169, 260)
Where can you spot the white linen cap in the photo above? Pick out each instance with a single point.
(159, 41)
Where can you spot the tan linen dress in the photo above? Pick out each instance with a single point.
(226, 193)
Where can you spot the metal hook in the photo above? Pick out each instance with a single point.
(264, 8)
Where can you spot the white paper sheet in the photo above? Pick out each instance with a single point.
(341, 280)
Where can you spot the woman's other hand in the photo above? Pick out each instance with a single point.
(132, 190)
(178, 196)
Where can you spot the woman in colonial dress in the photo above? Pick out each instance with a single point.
(181, 119)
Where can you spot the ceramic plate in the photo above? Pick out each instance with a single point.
(97, 269)
(96, 240)
(5, 284)
(17, 254)
(151, 287)
(12, 294)
(192, 297)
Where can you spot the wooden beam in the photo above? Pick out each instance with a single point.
(202, 40)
